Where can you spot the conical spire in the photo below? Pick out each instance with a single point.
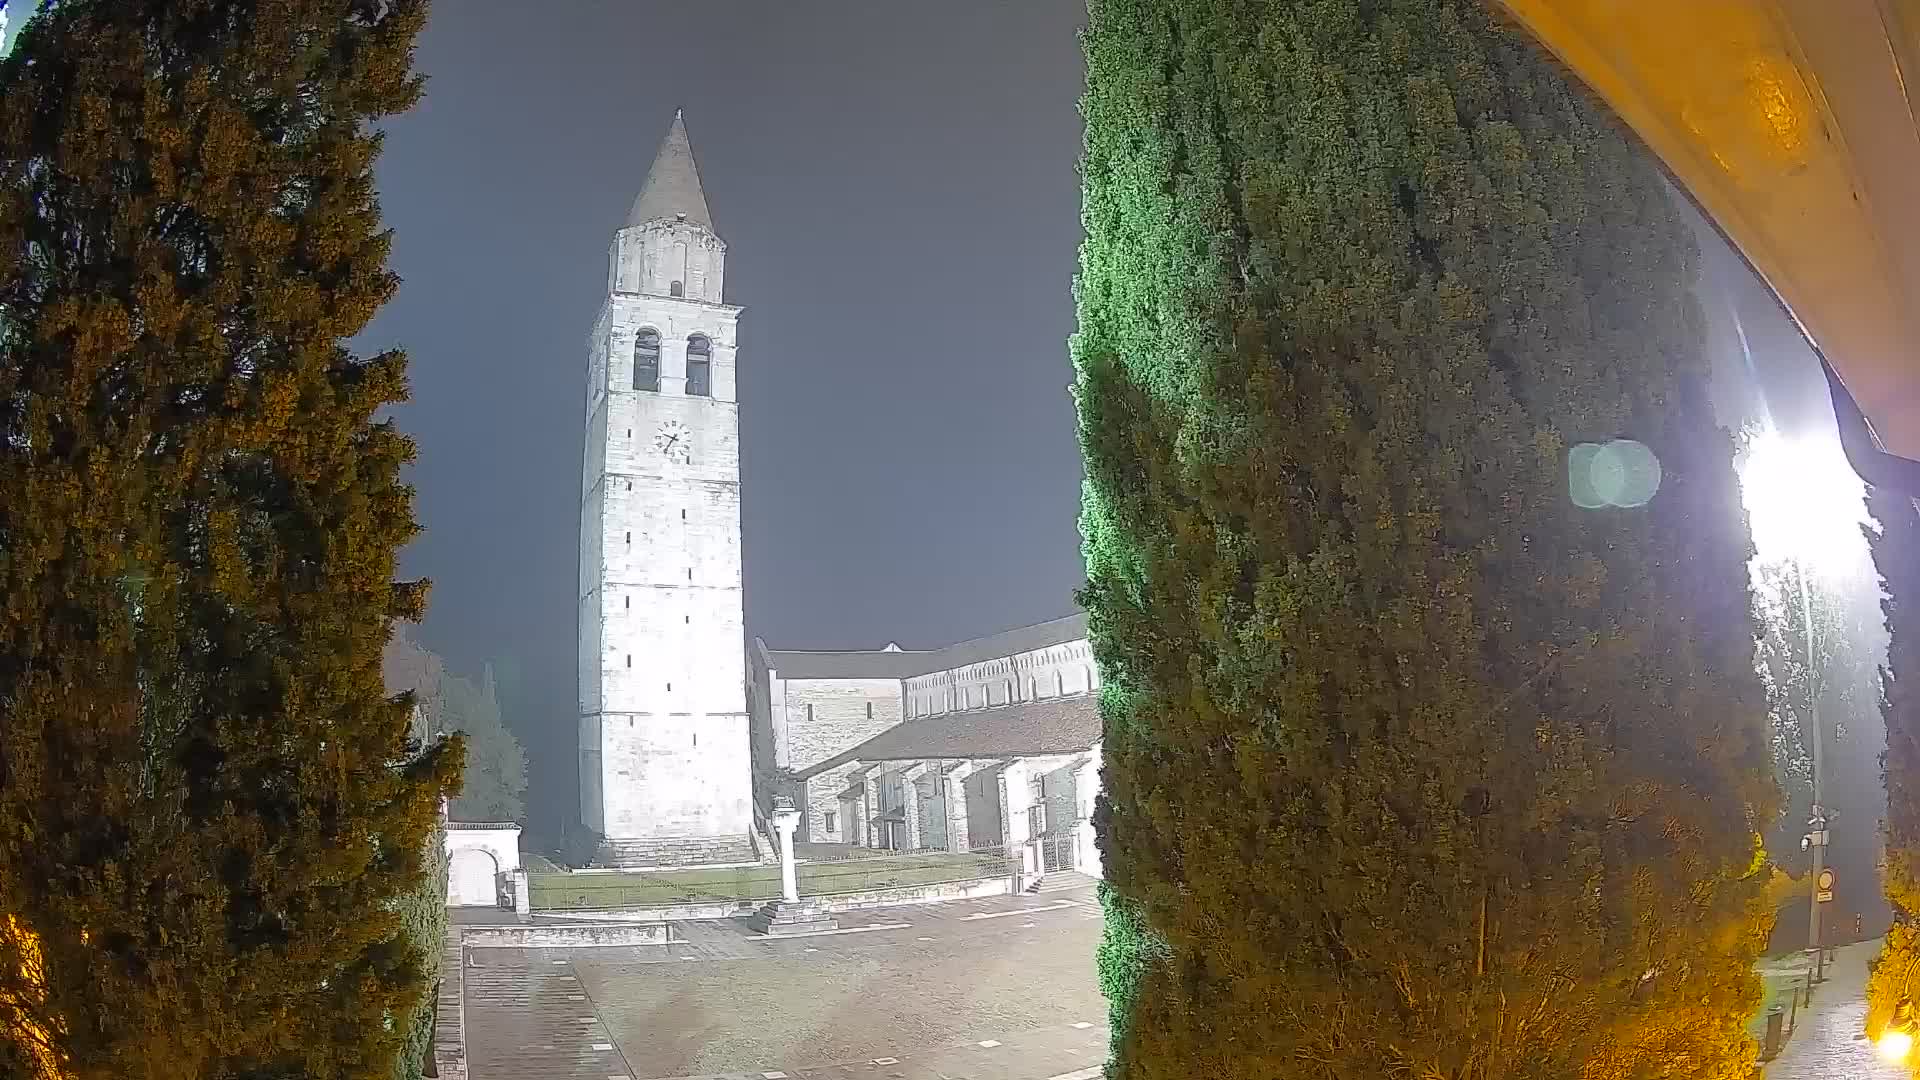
(672, 191)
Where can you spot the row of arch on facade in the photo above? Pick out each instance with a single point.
(982, 695)
(646, 363)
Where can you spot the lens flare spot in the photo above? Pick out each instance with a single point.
(1622, 473)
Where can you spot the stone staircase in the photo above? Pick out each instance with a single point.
(1059, 881)
(656, 853)
(777, 917)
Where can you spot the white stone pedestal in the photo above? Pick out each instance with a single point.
(787, 915)
(785, 820)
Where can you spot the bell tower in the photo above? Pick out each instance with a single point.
(664, 768)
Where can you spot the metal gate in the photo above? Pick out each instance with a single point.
(1058, 848)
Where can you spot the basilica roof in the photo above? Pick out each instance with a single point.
(895, 663)
(1058, 725)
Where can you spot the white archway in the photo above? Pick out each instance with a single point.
(473, 879)
(479, 853)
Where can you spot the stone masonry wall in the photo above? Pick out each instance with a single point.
(663, 679)
(824, 717)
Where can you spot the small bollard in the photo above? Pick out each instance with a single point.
(1776, 1034)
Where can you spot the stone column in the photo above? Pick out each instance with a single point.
(522, 902)
(910, 804)
(875, 806)
(955, 783)
(1014, 800)
(1086, 789)
(785, 820)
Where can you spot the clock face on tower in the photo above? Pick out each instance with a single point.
(674, 442)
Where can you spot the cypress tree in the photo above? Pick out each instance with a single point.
(1896, 551)
(408, 668)
(1412, 767)
(210, 808)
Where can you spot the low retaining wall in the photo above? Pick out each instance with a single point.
(566, 935)
(1001, 885)
(717, 909)
(450, 1013)
(919, 894)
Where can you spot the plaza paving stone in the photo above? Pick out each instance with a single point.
(1000, 988)
(1829, 1040)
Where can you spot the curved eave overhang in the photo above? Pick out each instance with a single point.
(1792, 124)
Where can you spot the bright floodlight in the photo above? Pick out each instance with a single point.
(1894, 1044)
(1803, 500)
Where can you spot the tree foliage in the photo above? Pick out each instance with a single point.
(1896, 551)
(495, 786)
(406, 668)
(1411, 767)
(494, 780)
(210, 807)
(423, 924)
(1795, 613)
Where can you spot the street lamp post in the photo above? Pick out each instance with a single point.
(1805, 506)
(1817, 820)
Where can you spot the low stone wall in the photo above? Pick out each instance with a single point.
(450, 1011)
(717, 909)
(567, 935)
(919, 894)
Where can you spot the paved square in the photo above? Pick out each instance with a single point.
(952, 991)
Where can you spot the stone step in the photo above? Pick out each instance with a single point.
(777, 917)
(1061, 881)
(675, 851)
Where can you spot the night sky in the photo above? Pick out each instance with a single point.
(895, 182)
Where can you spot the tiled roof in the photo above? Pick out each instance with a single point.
(895, 664)
(1024, 729)
(849, 664)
